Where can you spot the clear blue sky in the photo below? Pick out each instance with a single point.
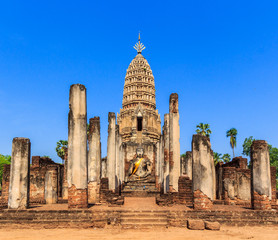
(221, 57)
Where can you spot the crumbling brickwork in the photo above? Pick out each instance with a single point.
(183, 196)
(273, 183)
(233, 181)
(201, 201)
(5, 184)
(37, 178)
(78, 198)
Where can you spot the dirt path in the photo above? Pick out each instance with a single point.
(227, 233)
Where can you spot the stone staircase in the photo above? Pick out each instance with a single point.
(139, 189)
(144, 219)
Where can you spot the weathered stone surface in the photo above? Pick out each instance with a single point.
(111, 151)
(215, 226)
(260, 175)
(94, 160)
(51, 185)
(203, 175)
(19, 175)
(187, 165)
(77, 147)
(174, 142)
(195, 224)
(166, 165)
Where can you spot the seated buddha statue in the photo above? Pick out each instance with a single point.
(139, 167)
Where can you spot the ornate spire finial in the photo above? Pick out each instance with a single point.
(139, 46)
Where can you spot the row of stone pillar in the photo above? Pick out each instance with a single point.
(83, 167)
(199, 166)
(115, 160)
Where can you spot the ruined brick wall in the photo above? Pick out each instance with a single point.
(183, 196)
(273, 183)
(37, 184)
(37, 179)
(5, 184)
(238, 162)
(234, 181)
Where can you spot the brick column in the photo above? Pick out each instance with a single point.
(20, 174)
(188, 164)
(77, 148)
(111, 151)
(119, 171)
(65, 177)
(94, 160)
(260, 176)
(166, 153)
(203, 172)
(51, 185)
(174, 142)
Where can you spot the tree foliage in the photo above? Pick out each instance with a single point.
(247, 146)
(232, 133)
(61, 148)
(203, 129)
(4, 159)
(226, 158)
(273, 152)
(218, 157)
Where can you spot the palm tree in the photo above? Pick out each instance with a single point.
(61, 148)
(216, 157)
(226, 158)
(232, 133)
(203, 129)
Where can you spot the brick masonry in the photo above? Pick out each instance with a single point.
(183, 196)
(233, 181)
(37, 179)
(260, 202)
(273, 183)
(101, 218)
(201, 201)
(77, 198)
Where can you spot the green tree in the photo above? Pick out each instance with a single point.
(217, 157)
(61, 148)
(247, 145)
(203, 129)
(232, 133)
(226, 158)
(4, 159)
(273, 152)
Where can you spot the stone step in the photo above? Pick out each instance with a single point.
(144, 220)
(123, 216)
(143, 225)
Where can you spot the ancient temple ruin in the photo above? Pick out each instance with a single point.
(143, 160)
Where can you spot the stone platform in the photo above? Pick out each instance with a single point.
(135, 213)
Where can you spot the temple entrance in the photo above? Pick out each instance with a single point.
(139, 124)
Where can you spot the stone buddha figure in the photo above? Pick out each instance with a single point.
(139, 167)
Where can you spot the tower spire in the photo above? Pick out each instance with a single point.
(139, 46)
